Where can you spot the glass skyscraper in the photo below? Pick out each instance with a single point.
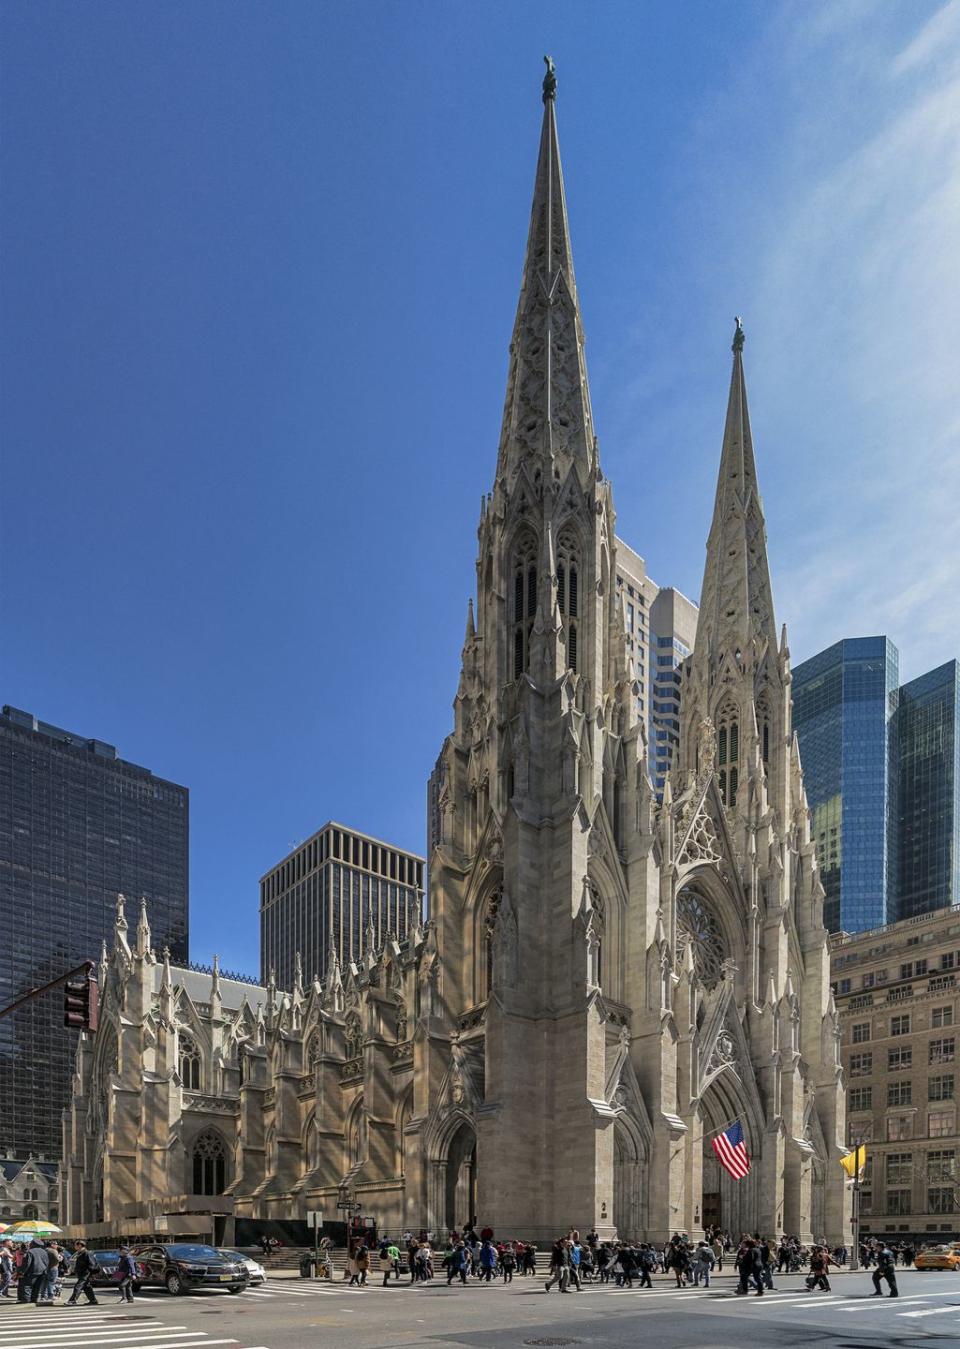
(78, 825)
(928, 747)
(844, 709)
(325, 896)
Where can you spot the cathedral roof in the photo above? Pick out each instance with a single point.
(547, 412)
(196, 983)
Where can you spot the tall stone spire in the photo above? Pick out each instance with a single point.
(736, 603)
(547, 412)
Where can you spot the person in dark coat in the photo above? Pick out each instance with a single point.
(84, 1267)
(33, 1273)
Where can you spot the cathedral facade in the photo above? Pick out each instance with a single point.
(604, 983)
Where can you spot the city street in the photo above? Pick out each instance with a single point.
(288, 1314)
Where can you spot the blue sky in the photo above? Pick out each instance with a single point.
(260, 263)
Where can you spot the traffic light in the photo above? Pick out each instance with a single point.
(81, 1002)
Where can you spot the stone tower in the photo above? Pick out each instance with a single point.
(543, 769)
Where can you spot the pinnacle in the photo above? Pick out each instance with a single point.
(736, 604)
(547, 413)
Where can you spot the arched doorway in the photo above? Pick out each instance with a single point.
(725, 1202)
(461, 1195)
(628, 1181)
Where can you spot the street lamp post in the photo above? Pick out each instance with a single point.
(855, 1253)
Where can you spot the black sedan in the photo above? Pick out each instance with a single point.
(181, 1267)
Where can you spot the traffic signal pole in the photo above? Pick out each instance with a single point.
(85, 970)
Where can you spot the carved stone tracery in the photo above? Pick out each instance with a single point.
(698, 927)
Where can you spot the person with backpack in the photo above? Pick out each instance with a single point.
(508, 1262)
(127, 1269)
(820, 1263)
(646, 1262)
(84, 1268)
(703, 1262)
(886, 1269)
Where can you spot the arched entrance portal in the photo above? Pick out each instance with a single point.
(461, 1196)
(628, 1180)
(725, 1202)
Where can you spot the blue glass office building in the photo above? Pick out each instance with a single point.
(844, 706)
(928, 745)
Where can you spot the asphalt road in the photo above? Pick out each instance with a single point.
(288, 1314)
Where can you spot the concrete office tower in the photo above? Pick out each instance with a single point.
(673, 631)
(928, 757)
(844, 705)
(78, 824)
(340, 893)
(661, 626)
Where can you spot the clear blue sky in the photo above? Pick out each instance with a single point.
(260, 263)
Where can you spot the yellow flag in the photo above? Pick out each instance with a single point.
(854, 1161)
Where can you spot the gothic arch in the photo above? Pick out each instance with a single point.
(522, 596)
(734, 1204)
(729, 743)
(630, 1179)
(208, 1163)
(355, 1135)
(404, 1116)
(484, 926)
(189, 1063)
(712, 912)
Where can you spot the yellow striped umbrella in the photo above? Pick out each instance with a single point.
(34, 1228)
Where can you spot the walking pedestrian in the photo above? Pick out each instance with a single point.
(83, 1269)
(703, 1262)
(6, 1268)
(559, 1266)
(886, 1269)
(127, 1270)
(459, 1260)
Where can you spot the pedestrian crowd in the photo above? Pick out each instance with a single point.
(37, 1271)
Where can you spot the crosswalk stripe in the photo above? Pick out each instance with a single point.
(83, 1337)
(933, 1311)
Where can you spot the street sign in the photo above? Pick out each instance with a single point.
(314, 1217)
(349, 1205)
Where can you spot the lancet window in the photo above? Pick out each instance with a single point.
(763, 726)
(568, 590)
(524, 600)
(209, 1163)
(728, 754)
(190, 1067)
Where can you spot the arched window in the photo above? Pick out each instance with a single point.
(406, 1111)
(189, 1064)
(568, 590)
(763, 726)
(357, 1135)
(487, 936)
(209, 1163)
(30, 1212)
(524, 600)
(728, 754)
(242, 1064)
(353, 1036)
(315, 1049)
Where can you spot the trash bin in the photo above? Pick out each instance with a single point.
(305, 1263)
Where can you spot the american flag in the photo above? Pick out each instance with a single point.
(732, 1151)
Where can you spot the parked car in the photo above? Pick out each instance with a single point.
(106, 1264)
(255, 1272)
(182, 1267)
(938, 1257)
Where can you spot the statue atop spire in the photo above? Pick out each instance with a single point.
(549, 80)
(739, 336)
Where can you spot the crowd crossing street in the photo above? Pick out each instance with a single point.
(287, 1313)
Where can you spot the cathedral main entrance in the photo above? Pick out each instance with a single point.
(725, 1202)
(461, 1191)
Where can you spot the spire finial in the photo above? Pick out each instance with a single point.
(549, 80)
(739, 336)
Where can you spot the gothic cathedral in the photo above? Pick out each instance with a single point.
(604, 983)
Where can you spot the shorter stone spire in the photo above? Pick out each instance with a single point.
(471, 631)
(143, 929)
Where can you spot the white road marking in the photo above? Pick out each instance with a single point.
(933, 1311)
(57, 1338)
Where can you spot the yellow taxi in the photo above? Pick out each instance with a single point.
(938, 1257)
